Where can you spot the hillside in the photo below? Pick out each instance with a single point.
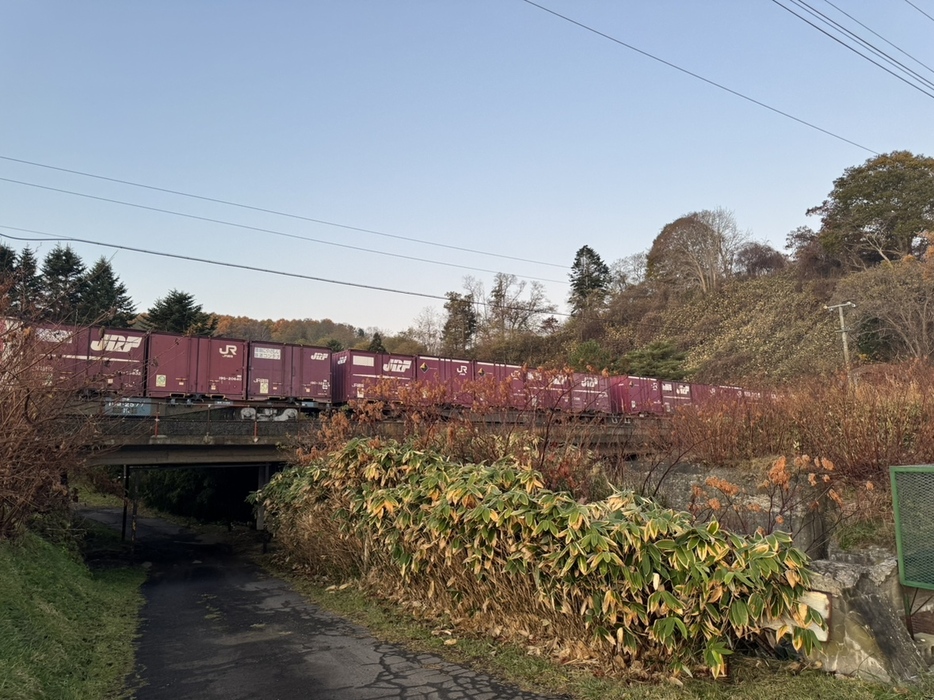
(762, 330)
(767, 329)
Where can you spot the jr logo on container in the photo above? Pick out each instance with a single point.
(115, 343)
(229, 351)
(397, 366)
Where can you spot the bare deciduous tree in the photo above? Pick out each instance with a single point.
(427, 329)
(895, 302)
(511, 306)
(42, 436)
(698, 250)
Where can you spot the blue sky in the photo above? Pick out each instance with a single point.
(489, 125)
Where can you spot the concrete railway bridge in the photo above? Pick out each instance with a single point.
(205, 438)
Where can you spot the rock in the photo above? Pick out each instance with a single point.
(867, 637)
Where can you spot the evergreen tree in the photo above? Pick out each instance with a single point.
(177, 312)
(24, 294)
(105, 299)
(7, 262)
(63, 284)
(590, 279)
(460, 325)
(376, 343)
(659, 359)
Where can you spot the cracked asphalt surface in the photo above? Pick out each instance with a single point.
(217, 626)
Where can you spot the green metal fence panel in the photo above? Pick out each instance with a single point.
(913, 498)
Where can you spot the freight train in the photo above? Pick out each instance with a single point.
(134, 372)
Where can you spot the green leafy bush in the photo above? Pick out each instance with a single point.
(621, 579)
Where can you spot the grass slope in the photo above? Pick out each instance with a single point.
(65, 632)
(774, 328)
(750, 678)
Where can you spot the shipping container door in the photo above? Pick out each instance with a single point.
(548, 389)
(114, 359)
(638, 395)
(172, 365)
(396, 371)
(312, 374)
(270, 375)
(57, 350)
(357, 372)
(675, 395)
(446, 378)
(222, 368)
(702, 394)
(590, 393)
(430, 377)
(458, 374)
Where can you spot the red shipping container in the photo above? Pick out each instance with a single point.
(108, 361)
(702, 394)
(549, 389)
(222, 368)
(590, 394)
(509, 380)
(270, 371)
(729, 393)
(311, 374)
(636, 396)
(357, 373)
(280, 371)
(675, 395)
(451, 373)
(195, 366)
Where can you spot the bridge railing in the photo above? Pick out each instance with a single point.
(150, 427)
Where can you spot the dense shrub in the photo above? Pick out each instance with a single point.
(621, 579)
(43, 436)
(884, 417)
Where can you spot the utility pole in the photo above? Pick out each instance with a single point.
(843, 332)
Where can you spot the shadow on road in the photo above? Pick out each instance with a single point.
(215, 625)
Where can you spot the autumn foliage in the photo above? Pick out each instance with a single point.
(621, 581)
(42, 434)
(884, 417)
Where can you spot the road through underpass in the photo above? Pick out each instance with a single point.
(215, 625)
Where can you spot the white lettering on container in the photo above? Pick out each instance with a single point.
(116, 343)
(267, 353)
(397, 366)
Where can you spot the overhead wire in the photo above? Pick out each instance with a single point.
(829, 21)
(920, 10)
(266, 230)
(875, 33)
(919, 88)
(276, 212)
(53, 238)
(697, 76)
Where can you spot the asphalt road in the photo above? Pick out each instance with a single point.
(217, 626)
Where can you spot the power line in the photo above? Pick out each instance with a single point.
(869, 29)
(864, 42)
(917, 87)
(920, 10)
(278, 213)
(49, 237)
(700, 77)
(53, 238)
(265, 230)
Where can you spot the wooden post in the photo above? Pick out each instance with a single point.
(134, 487)
(126, 497)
